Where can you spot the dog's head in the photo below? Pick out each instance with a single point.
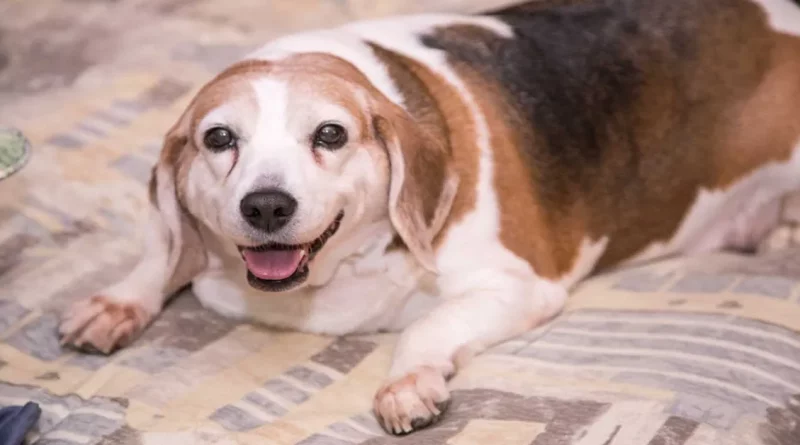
(288, 160)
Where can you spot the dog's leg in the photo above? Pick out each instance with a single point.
(787, 233)
(430, 350)
(114, 316)
(173, 254)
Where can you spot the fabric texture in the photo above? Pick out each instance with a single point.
(694, 351)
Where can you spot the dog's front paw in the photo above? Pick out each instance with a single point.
(99, 324)
(413, 401)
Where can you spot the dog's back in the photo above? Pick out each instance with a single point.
(624, 114)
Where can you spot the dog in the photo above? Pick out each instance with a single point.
(453, 177)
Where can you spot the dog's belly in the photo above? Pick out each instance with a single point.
(737, 217)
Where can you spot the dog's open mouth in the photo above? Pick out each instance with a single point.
(276, 267)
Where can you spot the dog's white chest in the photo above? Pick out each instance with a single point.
(368, 292)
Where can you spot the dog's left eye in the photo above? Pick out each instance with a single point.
(219, 138)
(330, 136)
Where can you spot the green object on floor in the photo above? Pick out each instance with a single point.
(14, 151)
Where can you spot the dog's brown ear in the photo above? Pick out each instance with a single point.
(422, 182)
(175, 236)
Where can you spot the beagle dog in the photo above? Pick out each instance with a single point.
(452, 177)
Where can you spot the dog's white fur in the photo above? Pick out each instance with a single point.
(481, 292)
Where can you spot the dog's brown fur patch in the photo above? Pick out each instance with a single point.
(623, 152)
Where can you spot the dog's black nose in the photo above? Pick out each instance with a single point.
(268, 210)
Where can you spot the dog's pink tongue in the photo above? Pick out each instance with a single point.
(273, 264)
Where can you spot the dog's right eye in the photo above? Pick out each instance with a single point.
(219, 138)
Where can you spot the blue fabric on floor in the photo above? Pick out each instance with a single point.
(16, 421)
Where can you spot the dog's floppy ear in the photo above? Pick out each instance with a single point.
(422, 182)
(172, 231)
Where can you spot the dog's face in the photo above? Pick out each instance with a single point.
(288, 160)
